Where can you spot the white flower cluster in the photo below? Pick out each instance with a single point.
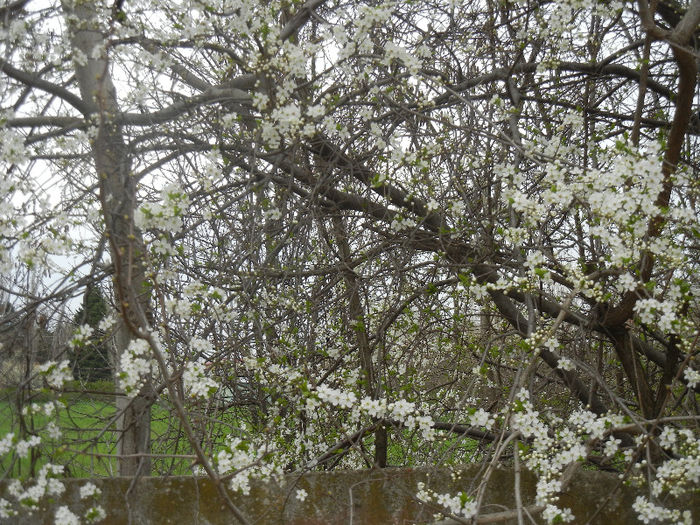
(423, 423)
(81, 336)
(664, 312)
(8, 221)
(566, 364)
(373, 15)
(481, 418)
(480, 291)
(682, 472)
(557, 444)
(542, 337)
(399, 224)
(6, 443)
(53, 430)
(534, 260)
(620, 198)
(553, 514)
(272, 214)
(375, 408)
(196, 382)
(245, 18)
(336, 397)
(56, 374)
(95, 513)
(107, 322)
(393, 51)
(47, 409)
(88, 490)
(292, 58)
(6, 510)
(135, 365)
(288, 119)
(45, 485)
(181, 308)
(457, 208)
(692, 376)
(201, 346)
(626, 283)
(166, 215)
(402, 411)
(23, 446)
(559, 19)
(12, 149)
(458, 505)
(243, 461)
(64, 516)
(647, 512)
(14, 31)
(551, 451)
(162, 247)
(531, 210)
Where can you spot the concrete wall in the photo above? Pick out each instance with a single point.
(362, 498)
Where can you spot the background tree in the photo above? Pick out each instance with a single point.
(91, 362)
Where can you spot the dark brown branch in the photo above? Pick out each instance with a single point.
(300, 18)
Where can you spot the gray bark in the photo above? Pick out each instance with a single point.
(118, 198)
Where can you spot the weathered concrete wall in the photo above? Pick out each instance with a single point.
(377, 497)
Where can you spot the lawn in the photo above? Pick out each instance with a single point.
(88, 445)
(89, 439)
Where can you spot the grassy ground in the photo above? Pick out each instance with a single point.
(444, 450)
(88, 442)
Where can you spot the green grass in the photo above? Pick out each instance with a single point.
(446, 449)
(84, 424)
(89, 438)
(88, 442)
(88, 445)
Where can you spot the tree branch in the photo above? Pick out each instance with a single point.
(33, 80)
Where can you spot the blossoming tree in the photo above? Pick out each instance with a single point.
(468, 222)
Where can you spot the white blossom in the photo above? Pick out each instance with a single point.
(64, 516)
(135, 365)
(196, 382)
(89, 490)
(481, 418)
(56, 374)
(565, 364)
(6, 443)
(692, 376)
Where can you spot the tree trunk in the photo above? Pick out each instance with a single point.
(357, 318)
(118, 198)
(134, 423)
